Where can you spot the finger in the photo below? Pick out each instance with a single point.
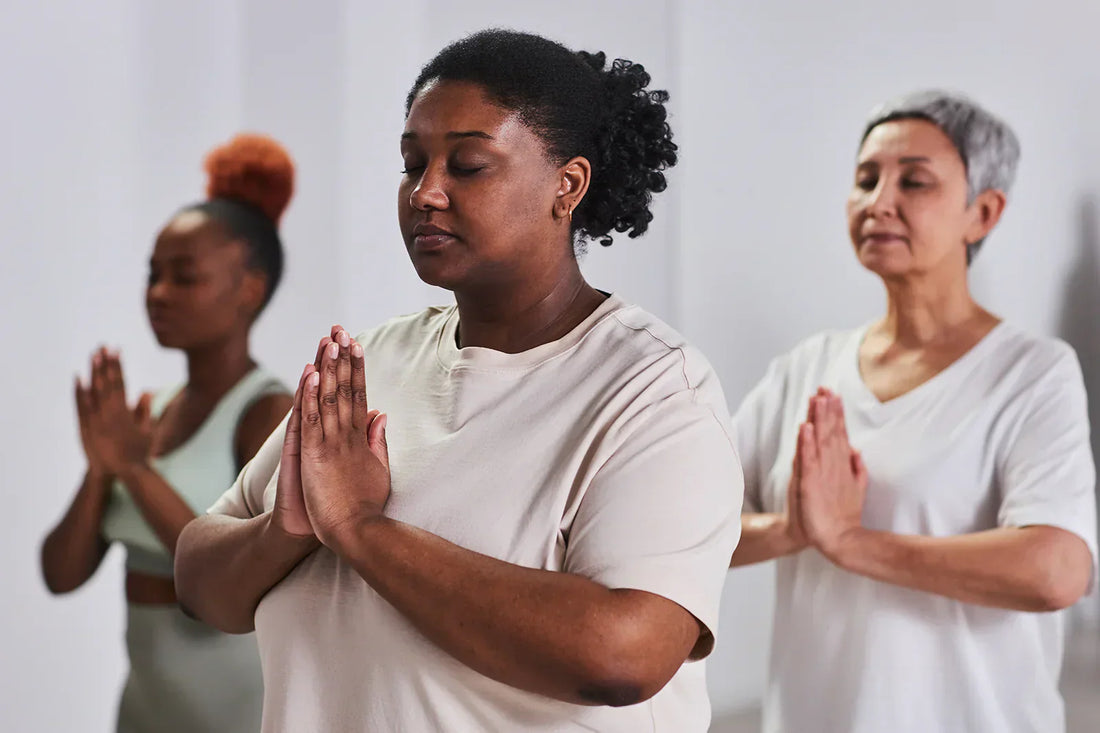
(344, 404)
(292, 442)
(808, 443)
(376, 439)
(98, 376)
(82, 406)
(796, 474)
(312, 430)
(360, 415)
(335, 331)
(143, 410)
(330, 419)
(841, 423)
(321, 347)
(820, 422)
(859, 468)
(114, 375)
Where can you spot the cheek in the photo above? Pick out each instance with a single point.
(854, 211)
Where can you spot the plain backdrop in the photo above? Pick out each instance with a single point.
(108, 108)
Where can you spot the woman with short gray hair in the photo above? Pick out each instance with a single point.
(925, 480)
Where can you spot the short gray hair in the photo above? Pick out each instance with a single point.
(988, 147)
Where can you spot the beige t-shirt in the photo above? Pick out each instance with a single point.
(606, 454)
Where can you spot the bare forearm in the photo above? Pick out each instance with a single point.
(73, 550)
(763, 537)
(551, 633)
(165, 510)
(1024, 569)
(225, 566)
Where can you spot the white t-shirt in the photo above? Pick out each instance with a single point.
(999, 438)
(606, 454)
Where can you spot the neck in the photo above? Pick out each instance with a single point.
(516, 317)
(922, 310)
(212, 369)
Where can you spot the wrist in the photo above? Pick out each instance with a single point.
(843, 546)
(98, 475)
(276, 532)
(352, 536)
(132, 470)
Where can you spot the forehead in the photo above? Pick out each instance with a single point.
(907, 139)
(190, 235)
(443, 107)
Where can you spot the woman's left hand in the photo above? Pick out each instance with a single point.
(833, 479)
(123, 436)
(345, 464)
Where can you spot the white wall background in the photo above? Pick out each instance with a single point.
(108, 108)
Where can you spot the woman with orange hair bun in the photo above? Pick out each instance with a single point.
(154, 465)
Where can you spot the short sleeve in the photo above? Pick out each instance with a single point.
(661, 514)
(756, 427)
(1047, 472)
(245, 498)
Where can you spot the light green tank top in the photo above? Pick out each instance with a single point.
(200, 470)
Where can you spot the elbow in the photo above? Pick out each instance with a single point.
(624, 669)
(1062, 579)
(1059, 592)
(56, 587)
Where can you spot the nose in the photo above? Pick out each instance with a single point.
(157, 292)
(883, 200)
(429, 192)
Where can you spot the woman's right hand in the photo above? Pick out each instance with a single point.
(85, 410)
(289, 513)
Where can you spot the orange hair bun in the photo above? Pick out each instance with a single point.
(253, 169)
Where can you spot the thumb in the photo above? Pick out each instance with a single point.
(376, 439)
(143, 410)
(859, 469)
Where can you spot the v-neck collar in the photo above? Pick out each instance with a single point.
(869, 403)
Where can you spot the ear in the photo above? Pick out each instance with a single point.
(253, 287)
(985, 211)
(574, 178)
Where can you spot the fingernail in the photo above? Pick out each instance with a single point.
(333, 350)
(357, 350)
(314, 379)
(343, 337)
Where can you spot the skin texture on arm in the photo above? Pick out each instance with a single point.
(1035, 568)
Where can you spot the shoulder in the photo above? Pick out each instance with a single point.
(635, 341)
(1021, 362)
(815, 354)
(265, 406)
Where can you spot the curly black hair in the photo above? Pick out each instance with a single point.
(579, 106)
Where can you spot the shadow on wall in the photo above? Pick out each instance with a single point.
(1079, 325)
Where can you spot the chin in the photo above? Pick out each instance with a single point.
(886, 264)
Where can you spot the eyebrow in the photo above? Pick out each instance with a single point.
(454, 135)
(909, 159)
(173, 260)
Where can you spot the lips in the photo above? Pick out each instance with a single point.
(883, 238)
(159, 320)
(429, 237)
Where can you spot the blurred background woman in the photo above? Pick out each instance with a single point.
(926, 480)
(153, 466)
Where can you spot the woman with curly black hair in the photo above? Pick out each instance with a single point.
(529, 527)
